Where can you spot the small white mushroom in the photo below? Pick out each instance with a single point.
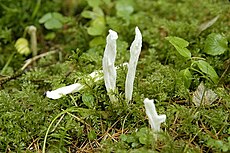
(135, 50)
(108, 63)
(155, 120)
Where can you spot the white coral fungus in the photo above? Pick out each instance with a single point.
(135, 50)
(58, 93)
(109, 57)
(155, 120)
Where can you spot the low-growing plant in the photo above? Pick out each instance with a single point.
(215, 44)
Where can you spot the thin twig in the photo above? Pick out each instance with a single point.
(58, 123)
(31, 60)
(21, 71)
(78, 119)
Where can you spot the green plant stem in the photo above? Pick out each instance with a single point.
(201, 74)
(7, 63)
(38, 4)
(47, 132)
(198, 58)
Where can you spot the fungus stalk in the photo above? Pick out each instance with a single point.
(155, 120)
(33, 39)
(108, 62)
(135, 50)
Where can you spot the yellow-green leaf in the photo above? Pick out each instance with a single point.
(22, 46)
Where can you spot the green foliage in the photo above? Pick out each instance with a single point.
(53, 20)
(16, 15)
(187, 77)
(219, 145)
(180, 45)
(215, 44)
(97, 24)
(207, 69)
(204, 67)
(124, 9)
(88, 100)
(142, 137)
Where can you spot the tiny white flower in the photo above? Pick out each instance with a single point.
(155, 120)
(135, 50)
(108, 62)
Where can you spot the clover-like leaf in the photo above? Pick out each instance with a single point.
(97, 27)
(215, 44)
(124, 8)
(53, 24)
(52, 20)
(45, 18)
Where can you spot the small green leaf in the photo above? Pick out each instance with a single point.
(53, 24)
(45, 18)
(124, 8)
(98, 11)
(180, 45)
(208, 69)
(52, 20)
(183, 51)
(94, 3)
(134, 144)
(88, 14)
(187, 77)
(97, 41)
(50, 36)
(88, 100)
(215, 44)
(123, 137)
(144, 136)
(97, 27)
(130, 139)
(176, 41)
(92, 135)
(58, 16)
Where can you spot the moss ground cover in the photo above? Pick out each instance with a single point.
(185, 43)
